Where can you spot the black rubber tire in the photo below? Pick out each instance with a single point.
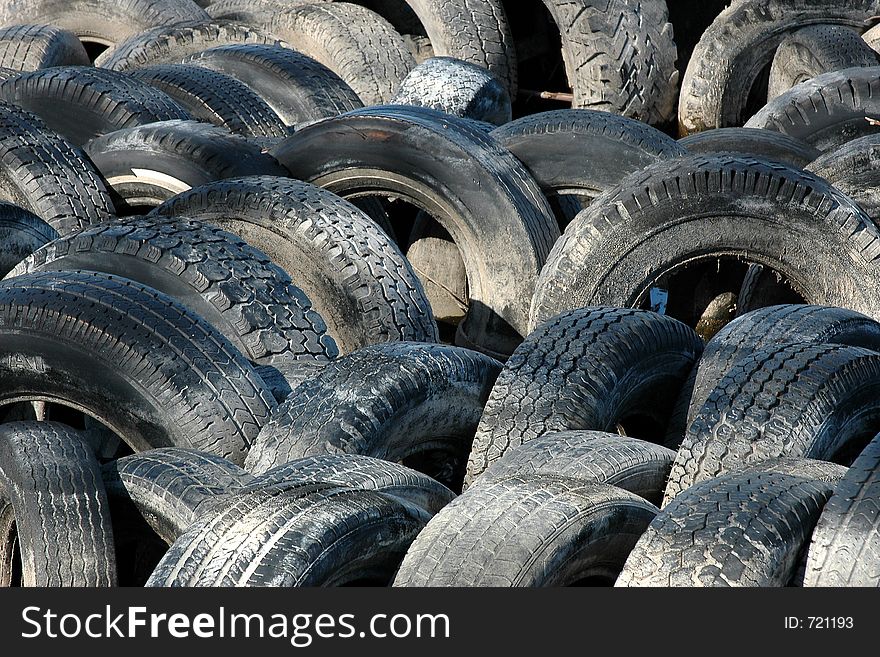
(582, 153)
(481, 195)
(101, 22)
(82, 102)
(588, 369)
(397, 402)
(356, 278)
(32, 47)
(458, 88)
(706, 207)
(854, 169)
(846, 541)
(826, 111)
(739, 44)
(21, 233)
(252, 11)
(619, 56)
(296, 87)
(130, 357)
(812, 469)
(170, 44)
(215, 274)
(215, 98)
(42, 173)
(760, 330)
(362, 473)
(283, 378)
(591, 457)
(147, 165)
(742, 529)
(766, 144)
(800, 400)
(312, 535)
(167, 486)
(815, 50)
(51, 477)
(528, 532)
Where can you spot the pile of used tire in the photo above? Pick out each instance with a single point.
(290, 299)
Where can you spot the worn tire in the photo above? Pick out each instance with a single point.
(283, 378)
(51, 477)
(355, 277)
(854, 169)
(21, 233)
(812, 469)
(32, 47)
(589, 369)
(215, 274)
(396, 402)
(528, 532)
(766, 144)
(298, 88)
(741, 529)
(130, 357)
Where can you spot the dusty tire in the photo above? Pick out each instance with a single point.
(283, 378)
(742, 529)
(854, 169)
(52, 479)
(846, 541)
(81, 102)
(704, 208)
(147, 165)
(826, 111)
(488, 202)
(312, 535)
(766, 144)
(591, 457)
(296, 87)
(356, 278)
(165, 378)
(215, 274)
(32, 47)
(528, 532)
(812, 469)
(801, 400)
(396, 402)
(589, 369)
(21, 233)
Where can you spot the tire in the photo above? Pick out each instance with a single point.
(826, 111)
(582, 153)
(167, 486)
(80, 102)
(528, 532)
(313, 535)
(761, 330)
(709, 207)
(743, 529)
(214, 274)
(98, 21)
(170, 44)
(812, 469)
(801, 401)
(815, 50)
(486, 201)
(589, 369)
(21, 233)
(846, 541)
(361, 473)
(147, 165)
(43, 174)
(296, 87)
(739, 44)
(619, 56)
(854, 169)
(357, 44)
(283, 378)
(457, 88)
(52, 479)
(766, 144)
(356, 278)
(32, 47)
(591, 457)
(397, 402)
(215, 98)
(131, 358)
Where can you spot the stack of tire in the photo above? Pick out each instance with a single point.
(291, 299)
